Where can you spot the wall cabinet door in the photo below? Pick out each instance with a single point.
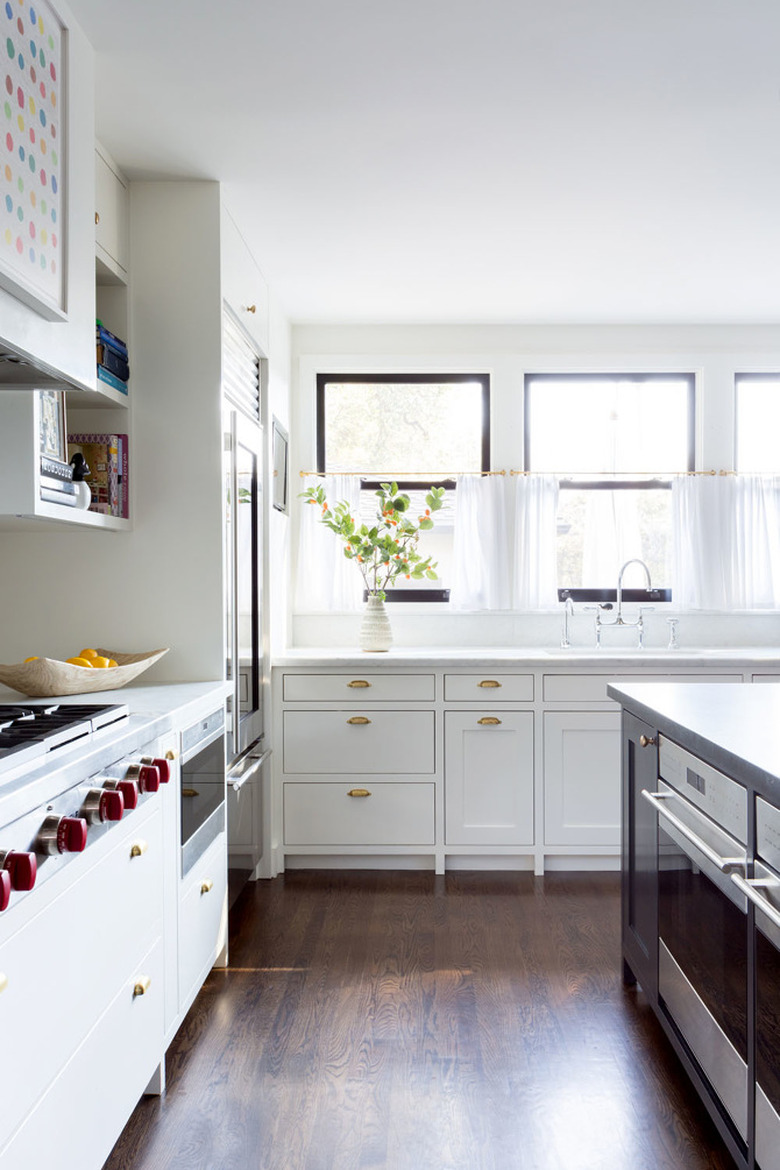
(582, 778)
(489, 786)
(112, 234)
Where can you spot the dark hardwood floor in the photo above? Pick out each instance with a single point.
(400, 1021)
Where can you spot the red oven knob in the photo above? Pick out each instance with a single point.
(162, 766)
(62, 835)
(129, 790)
(102, 804)
(22, 868)
(5, 889)
(147, 776)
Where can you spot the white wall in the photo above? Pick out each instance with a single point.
(713, 353)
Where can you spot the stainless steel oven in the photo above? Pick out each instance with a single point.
(702, 920)
(202, 786)
(763, 890)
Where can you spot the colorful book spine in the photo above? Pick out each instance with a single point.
(105, 337)
(113, 362)
(102, 455)
(110, 379)
(123, 463)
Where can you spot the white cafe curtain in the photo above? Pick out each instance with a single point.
(726, 542)
(325, 579)
(481, 576)
(534, 552)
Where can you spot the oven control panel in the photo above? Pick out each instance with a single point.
(721, 798)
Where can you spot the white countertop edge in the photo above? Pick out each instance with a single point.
(532, 657)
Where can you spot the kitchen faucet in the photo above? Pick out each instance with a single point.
(568, 612)
(619, 620)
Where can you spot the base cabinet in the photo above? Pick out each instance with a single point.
(581, 778)
(489, 768)
(202, 920)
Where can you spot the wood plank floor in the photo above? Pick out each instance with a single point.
(401, 1021)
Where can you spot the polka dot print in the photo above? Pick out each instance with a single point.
(29, 159)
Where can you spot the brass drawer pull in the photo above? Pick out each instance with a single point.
(207, 886)
(3, 981)
(489, 682)
(647, 741)
(142, 985)
(190, 793)
(358, 682)
(358, 792)
(138, 848)
(358, 719)
(489, 721)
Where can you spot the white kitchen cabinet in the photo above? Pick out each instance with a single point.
(489, 687)
(489, 777)
(380, 813)
(203, 920)
(244, 287)
(358, 741)
(581, 778)
(112, 219)
(361, 686)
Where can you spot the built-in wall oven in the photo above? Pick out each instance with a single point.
(703, 921)
(763, 890)
(202, 786)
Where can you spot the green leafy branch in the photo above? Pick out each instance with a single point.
(387, 549)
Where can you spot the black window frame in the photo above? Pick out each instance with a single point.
(606, 597)
(366, 484)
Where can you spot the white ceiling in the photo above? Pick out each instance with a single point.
(454, 160)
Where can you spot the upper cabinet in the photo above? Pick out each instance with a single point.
(243, 286)
(51, 325)
(112, 234)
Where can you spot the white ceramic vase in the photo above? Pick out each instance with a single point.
(375, 633)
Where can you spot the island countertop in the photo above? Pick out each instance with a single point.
(731, 726)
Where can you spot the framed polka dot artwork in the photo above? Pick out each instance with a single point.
(32, 170)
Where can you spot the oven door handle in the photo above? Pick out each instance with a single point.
(750, 887)
(724, 864)
(257, 762)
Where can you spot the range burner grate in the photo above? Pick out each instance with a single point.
(52, 725)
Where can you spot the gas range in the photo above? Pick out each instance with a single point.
(29, 731)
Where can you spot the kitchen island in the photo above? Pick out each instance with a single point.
(701, 892)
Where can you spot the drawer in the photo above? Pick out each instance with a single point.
(592, 688)
(359, 686)
(202, 919)
(65, 963)
(103, 1082)
(493, 688)
(325, 814)
(381, 743)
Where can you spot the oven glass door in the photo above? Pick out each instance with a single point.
(202, 799)
(703, 951)
(767, 902)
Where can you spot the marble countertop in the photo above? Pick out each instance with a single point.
(534, 657)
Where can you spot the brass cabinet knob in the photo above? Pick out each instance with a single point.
(251, 308)
(647, 740)
(489, 721)
(207, 886)
(489, 682)
(171, 754)
(358, 720)
(138, 848)
(358, 792)
(358, 682)
(142, 985)
(97, 218)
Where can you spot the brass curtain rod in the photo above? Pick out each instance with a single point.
(426, 475)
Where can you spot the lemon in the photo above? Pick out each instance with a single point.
(88, 654)
(33, 659)
(113, 662)
(99, 661)
(80, 662)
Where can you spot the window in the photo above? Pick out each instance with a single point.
(614, 441)
(758, 422)
(416, 429)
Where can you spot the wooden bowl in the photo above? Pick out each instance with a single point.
(45, 678)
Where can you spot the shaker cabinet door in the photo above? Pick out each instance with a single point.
(582, 778)
(489, 788)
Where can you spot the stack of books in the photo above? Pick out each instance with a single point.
(112, 362)
(56, 482)
(107, 457)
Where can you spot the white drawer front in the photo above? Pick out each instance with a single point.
(66, 962)
(382, 743)
(202, 918)
(359, 687)
(493, 688)
(325, 814)
(112, 1067)
(592, 688)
